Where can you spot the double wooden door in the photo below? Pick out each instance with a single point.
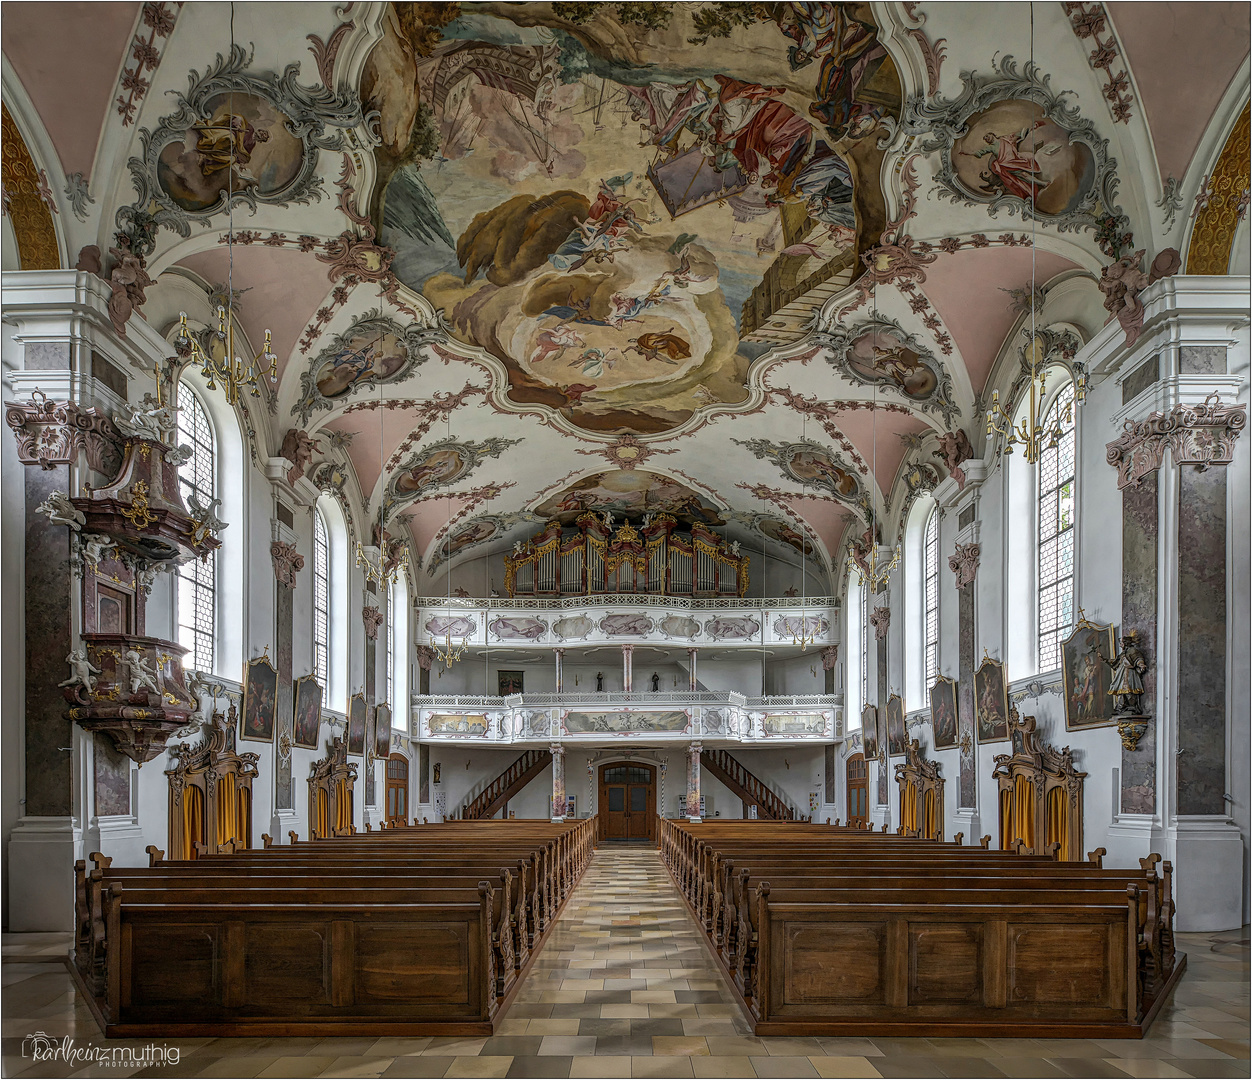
(627, 801)
(858, 790)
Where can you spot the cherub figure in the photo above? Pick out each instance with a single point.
(83, 671)
(142, 672)
(61, 511)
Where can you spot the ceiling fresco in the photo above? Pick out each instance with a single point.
(754, 265)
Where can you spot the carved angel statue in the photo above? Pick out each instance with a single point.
(147, 420)
(94, 547)
(83, 671)
(518, 548)
(61, 511)
(608, 519)
(179, 455)
(734, 548)
(1126, 681)
(205, 517)
(143, 673)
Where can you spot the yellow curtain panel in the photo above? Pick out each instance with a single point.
(1024, 810)
(908, 807)
(227, 808)
(323, 813)
(929, 816)
(343, 805)
(1058, 822)
(1006, 819)
(243, 820)
(193, 820)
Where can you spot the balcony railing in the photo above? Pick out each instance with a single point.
(622, 600)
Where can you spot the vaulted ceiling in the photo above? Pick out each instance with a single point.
(744, 262)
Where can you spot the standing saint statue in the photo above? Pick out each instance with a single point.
(1126, 681)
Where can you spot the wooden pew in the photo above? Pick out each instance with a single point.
(422, 930)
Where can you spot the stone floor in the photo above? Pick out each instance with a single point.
(624, 988)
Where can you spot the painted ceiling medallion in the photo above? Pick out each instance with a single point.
(811, 464)
(374, 349)
(236, 138)
(879, 352)
(617, 231)
(627, 452)
(1008, 141)
(439, 465)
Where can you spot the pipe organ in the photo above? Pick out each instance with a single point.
(655, 559)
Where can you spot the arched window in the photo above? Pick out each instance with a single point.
(397, 651)
(321, 599)
(866, 635)
(931, 576)
(1056, 532)
(854, 684)
(195, 598)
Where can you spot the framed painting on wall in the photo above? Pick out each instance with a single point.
(356, 724)
(869, 731)
(991, 701)
(382, 730)
(510, 682)
(308, 715)
(1085, 658)
(943, 713)
(370, 722)
(896, 734)
(260, 699)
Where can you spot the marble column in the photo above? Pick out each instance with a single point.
(558, 782)
(692, 681)
(287, 563)
(628, 658)
(693, 782)
(425, 658)
(967, 786)
(881, 684)
(830, 659)
(559, 654)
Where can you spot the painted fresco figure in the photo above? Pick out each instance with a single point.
(227, 139)
(1126, 681)
(1016, 171)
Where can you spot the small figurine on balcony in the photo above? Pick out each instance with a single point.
(656, 683)
(599, 682)
(83, 670)
(142, 673)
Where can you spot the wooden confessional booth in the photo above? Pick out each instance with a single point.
(331, 785)
(1040, 794)
(921, 794)
(211, 794)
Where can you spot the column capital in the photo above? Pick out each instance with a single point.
(557, 750)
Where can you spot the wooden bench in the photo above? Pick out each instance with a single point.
(402, 931)
(826, 930)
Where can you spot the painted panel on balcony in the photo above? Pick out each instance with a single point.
(624, 722)
(518, 628)
(795, 724)
(457, 724)
(734, 628)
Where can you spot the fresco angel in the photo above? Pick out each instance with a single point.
(551, 344)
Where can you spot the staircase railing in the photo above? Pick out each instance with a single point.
(501, 788)
(746, 784)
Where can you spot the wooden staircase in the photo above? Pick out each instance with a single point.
(507, 784)
(746, 785)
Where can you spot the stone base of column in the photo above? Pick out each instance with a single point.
(558, 821)
(282, 822)
(967, 821)
(1207, 853)
(42, 852)
(120, 838)
(695, 820)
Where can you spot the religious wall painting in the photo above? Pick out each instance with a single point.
(510, 682)
(1009, 141)
(795, 724)
(991, 701)
(943, 713)
(260, 699)
(897, 734)
(869, 731)
(629, 494)
(371, 737)
(810, 464)
(358, 713)
(732, 628)
(374, 349)
(573, 627)
(442, 724)
(517, 628)
(796, 627)
(614, 214)
(879, 352)
(1086, 656)
(308, 711)
(626, 624)
(382, 730)
(237, 137)
(450, 626)
(624, 722)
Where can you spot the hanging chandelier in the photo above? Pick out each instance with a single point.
(1030, 433)
(230, 370)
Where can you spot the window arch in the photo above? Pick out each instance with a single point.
(321, 598)
(1055, 529)
(854, 685)
(195, 594)
(397, 650)
(329, 515)
(930, 601)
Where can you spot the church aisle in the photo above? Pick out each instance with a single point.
(625, 988)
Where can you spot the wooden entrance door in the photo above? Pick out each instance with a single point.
(397, 790)
(858, 790)
(627, 801)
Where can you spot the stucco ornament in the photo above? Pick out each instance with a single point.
(1199, 435)
(880, 619)
(287, 563)
(61, 511)
(964, 563)
(83, 671)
